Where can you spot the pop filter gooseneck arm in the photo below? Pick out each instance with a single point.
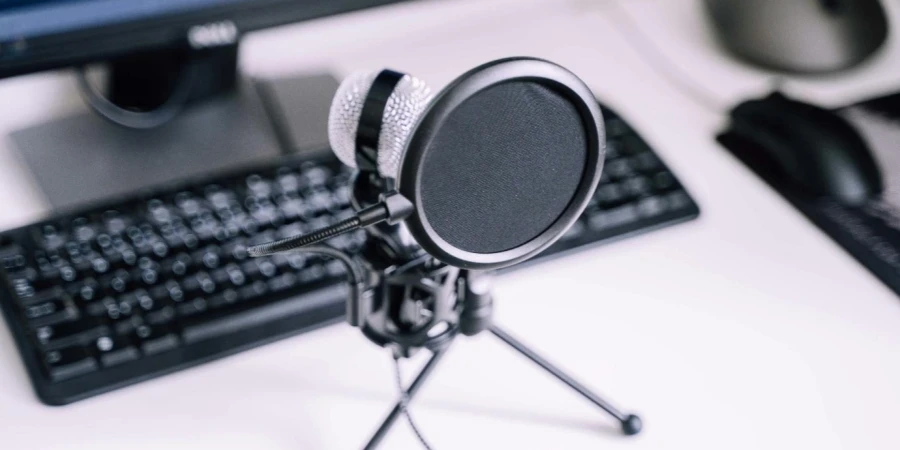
(392, 209)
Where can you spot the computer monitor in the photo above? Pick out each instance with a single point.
(145, 37)
(153, 49)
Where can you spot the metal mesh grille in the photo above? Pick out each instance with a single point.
(503, 167)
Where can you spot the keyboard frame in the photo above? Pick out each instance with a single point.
(185, 356)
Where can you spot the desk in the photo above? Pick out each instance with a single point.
(745, 329)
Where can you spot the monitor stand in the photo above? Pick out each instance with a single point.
(231, 121)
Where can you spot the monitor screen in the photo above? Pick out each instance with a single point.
(45, 34)
(28, 19)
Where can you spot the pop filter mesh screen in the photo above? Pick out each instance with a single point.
(503, 167)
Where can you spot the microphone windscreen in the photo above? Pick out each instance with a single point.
(402, 110)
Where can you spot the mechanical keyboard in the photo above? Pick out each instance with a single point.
(118, 293)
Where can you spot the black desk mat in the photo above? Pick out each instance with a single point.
(870, 233)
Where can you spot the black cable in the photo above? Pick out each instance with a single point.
(356, 280)
(404, 403)
(137, 119)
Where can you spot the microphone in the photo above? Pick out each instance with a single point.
(372, 116)
(485, 174)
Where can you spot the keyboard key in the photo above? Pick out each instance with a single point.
(634, 145)
(208, 258)
(619, 169)
(156, 339)
(613, 149)
(118, 282)
(663, 181)
(114, 350)
(200, 282)
(254, 290)
(51, 312)
(651, 206)
(613, 218)
(87, 291)
(100, 265)
(177, 266)
(12, 257)
(610, 194)
(99, 308)
(127, 326)
(616, 127)
(67, 273)
(334, 268)
(678, 200)
(574, 232)
(160, 316)
(27, 295)
(171, 291)
(226, 297)
(282, 282)
(235, 275)
(219, 276)
(267, 269)
(312, 274)
(192, 308)
(647, 162)
(204, 328)
(69, 333)
(637, 186)
(68, 363)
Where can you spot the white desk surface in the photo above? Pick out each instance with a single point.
(745, 329)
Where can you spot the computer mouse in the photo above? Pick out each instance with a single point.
(814, 149)
(801, 36)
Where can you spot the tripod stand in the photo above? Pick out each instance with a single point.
(474, 316)
(408, 300)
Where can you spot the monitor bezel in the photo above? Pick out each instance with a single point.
(159, 33)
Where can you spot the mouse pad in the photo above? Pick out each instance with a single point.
(870, 233)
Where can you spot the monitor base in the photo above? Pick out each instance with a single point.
(84, 159)
(145, 81)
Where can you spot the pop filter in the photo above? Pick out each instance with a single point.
(496, 168)
(502, 163)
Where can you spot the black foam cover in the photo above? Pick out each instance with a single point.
(503, 166)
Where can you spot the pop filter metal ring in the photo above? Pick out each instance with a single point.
(535, 70)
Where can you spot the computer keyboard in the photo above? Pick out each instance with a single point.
(111, 295)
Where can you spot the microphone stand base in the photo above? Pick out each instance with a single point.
(631, 424)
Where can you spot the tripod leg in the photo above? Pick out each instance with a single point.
(631, 424)
(398, 408)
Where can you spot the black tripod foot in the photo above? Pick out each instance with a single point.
(632, 425)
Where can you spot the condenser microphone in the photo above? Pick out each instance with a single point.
(489, 173)
(372, 116)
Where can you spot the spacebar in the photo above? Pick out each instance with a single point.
(261, 315)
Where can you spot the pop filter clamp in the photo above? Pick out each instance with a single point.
(423, 285)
